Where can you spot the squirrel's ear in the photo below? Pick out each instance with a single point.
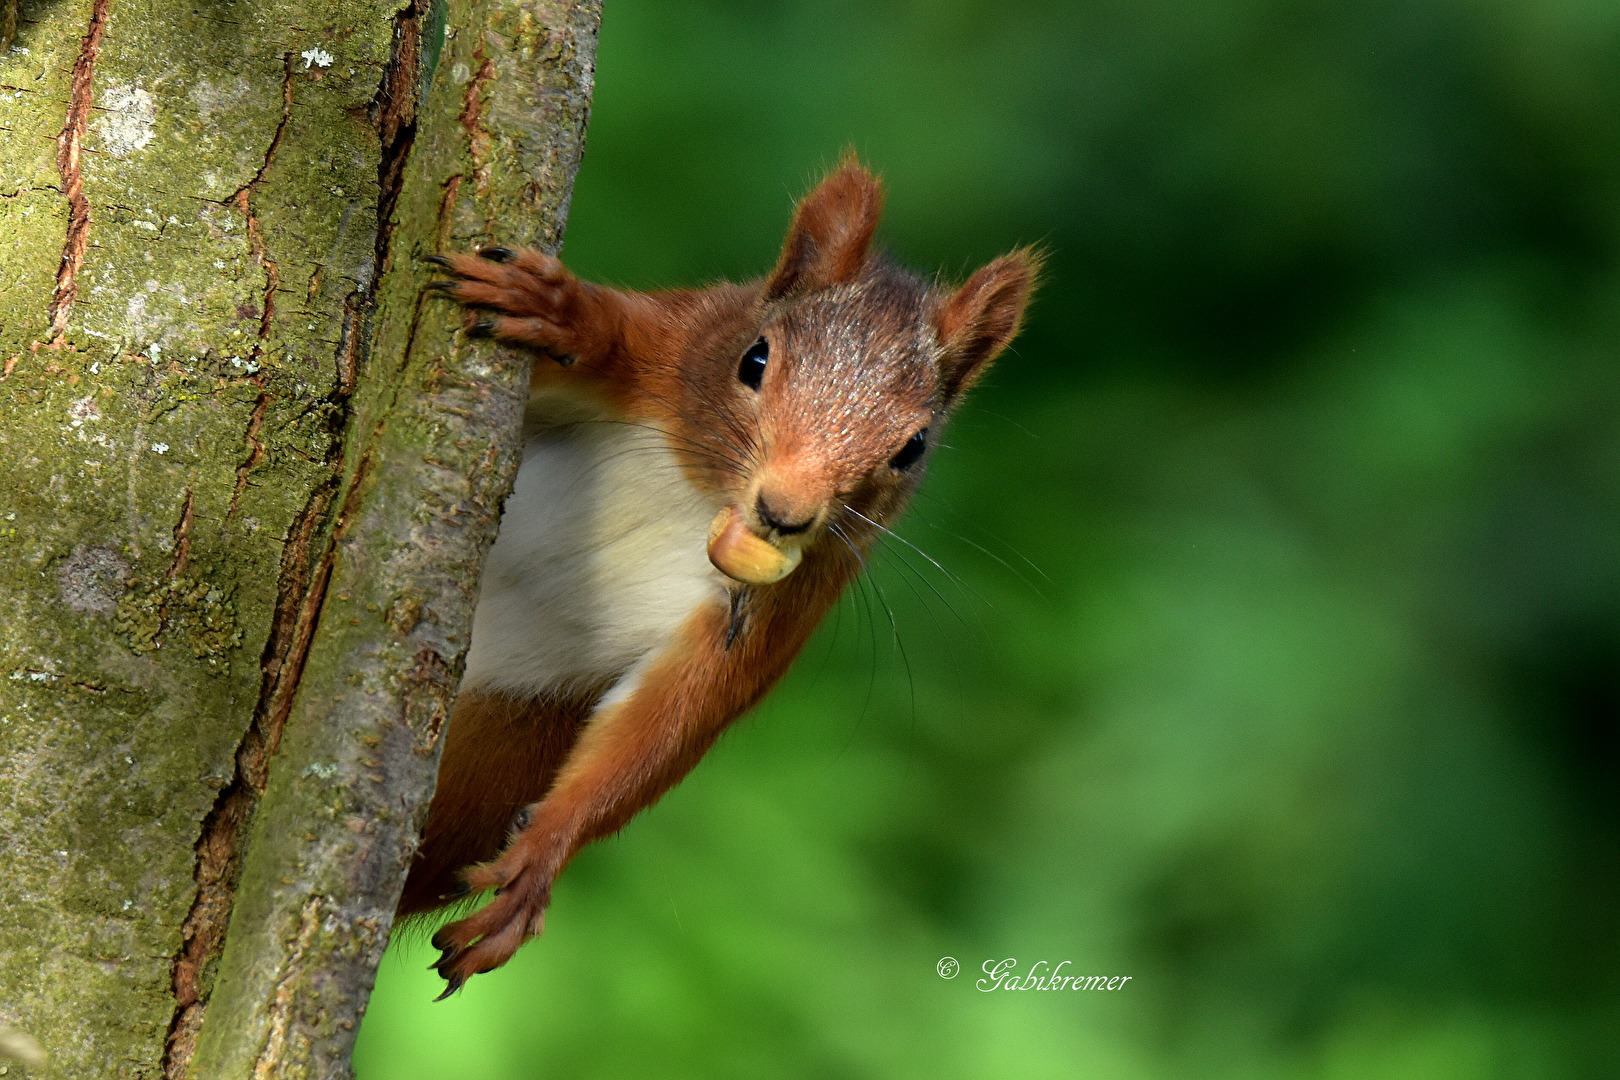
(831, 231)
(978, 321)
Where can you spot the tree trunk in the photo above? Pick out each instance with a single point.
(250, 472)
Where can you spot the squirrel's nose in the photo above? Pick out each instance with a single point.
(779, 519)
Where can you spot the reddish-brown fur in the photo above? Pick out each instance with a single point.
(503, 756)
(863, 356)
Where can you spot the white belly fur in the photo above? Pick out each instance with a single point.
(602, 554)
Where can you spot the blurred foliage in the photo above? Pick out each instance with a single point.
(1275, 661)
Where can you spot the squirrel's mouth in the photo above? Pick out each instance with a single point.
(740, 554)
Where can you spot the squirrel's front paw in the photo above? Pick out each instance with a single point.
(487, 939)
(535, 300)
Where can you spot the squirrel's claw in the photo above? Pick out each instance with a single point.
(437, 260)
(445, 966)
(452, 983)
(484, 328)
(444, 942)
(496, 254)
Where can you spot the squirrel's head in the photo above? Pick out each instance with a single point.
(838, 389)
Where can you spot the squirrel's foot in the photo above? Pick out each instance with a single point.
(536, 300)
(487, 939)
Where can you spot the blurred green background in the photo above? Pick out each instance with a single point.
(1275, 661)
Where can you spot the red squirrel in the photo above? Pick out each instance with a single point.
(704, 472)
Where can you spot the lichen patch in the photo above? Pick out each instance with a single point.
(128, 121)
(92, 579)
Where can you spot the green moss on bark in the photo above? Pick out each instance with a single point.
(110, 754)
(241, 404)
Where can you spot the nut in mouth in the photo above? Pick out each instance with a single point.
(741, 555)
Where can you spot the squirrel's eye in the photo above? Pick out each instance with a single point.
(752, 368)
(911, 453)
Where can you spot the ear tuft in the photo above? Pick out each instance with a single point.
(983, 316)
(831, 232)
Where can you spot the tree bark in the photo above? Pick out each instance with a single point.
(250, 472)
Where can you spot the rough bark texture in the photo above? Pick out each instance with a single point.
(249, 475)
